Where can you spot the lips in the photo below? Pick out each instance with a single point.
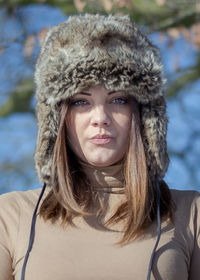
(101, 139)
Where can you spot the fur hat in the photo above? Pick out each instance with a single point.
(96, 49)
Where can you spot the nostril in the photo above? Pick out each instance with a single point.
(101, 122)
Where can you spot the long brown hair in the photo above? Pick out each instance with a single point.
(71, 195)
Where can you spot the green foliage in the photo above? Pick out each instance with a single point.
(19, 100)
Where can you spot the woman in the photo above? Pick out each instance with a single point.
(101, 151)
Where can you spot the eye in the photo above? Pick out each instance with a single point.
(120, 100)
(79, 102)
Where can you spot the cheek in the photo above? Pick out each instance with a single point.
(71, 128)
(75, 127)
(123, 122)
(127, 121)
(126, 129)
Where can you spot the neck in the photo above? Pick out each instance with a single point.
(107, 186)
(108, 179)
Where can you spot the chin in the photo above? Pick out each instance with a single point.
(102, 162)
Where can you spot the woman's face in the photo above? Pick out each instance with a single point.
(98, 125)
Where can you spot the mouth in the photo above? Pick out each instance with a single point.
(101, 139)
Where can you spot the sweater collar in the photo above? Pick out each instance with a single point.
(105, 179)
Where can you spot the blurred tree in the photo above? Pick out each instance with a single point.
(172, 19)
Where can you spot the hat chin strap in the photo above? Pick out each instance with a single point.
(32, 233)
(158, 225)
(34, 217)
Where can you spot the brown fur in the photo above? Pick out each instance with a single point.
(95, 49)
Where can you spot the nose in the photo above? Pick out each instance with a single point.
(100, 116)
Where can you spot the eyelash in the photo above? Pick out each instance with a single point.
(82, 102)
(121, 99)
(75, 103)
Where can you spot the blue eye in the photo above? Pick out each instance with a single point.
(79, 102)
(120, 100)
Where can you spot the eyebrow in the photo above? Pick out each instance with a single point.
(89, 94)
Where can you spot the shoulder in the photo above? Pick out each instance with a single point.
(185, 198)
(11, 203)
(20, 196)
(187, 206)
(16, 209)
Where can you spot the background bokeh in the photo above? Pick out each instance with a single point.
(173, 25)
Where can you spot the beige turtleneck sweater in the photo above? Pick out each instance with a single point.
(87, 251)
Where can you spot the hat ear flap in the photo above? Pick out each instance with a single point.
(154, 126)
(48, 121)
